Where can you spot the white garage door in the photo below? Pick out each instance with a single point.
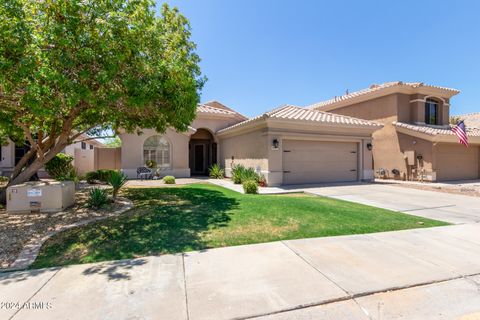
(319, 161)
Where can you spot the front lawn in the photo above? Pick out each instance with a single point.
(200, 216)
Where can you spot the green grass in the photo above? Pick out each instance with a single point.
(200, 216)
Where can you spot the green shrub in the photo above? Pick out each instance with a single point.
(4, 179)
(250, 186)
(102, 175)
(97, 198)
(117, 180)
(216, 172)
(237, 173)
(151, 164)
(169, 180)
(91, 177)
(241, 174)
(61, 168)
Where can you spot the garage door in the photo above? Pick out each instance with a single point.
(319, 161)
(455, 162)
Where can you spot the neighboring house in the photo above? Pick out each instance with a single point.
(472, 120)
(10, 154)
(288, 145)
(90, 155)
(416, 140)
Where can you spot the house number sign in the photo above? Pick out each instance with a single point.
(34, 193)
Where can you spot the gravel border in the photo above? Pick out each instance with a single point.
(30, 251)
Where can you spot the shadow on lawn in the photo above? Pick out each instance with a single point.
(164, 220)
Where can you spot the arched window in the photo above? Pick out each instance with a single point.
(431, 111)
(157, 148)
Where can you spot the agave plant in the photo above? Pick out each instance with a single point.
(117, 180)
(216, 172)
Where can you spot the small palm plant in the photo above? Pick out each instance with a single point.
(117, 180)
(216, 172)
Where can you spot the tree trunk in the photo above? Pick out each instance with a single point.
(30, 170)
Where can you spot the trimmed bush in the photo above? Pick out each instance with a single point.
(169, 180)
(117, 180)
(250, 186)
(60, 167)
(4, 179)
(102, 175)
(97, 198)
(216, 172)
(91, 177)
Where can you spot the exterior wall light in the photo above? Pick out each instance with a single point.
(369, 146)
(275, 143)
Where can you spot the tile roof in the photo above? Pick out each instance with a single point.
(376, 88)
(471, 119)
(215, 107)
(289, 112)
(433, 131)
(203, 108)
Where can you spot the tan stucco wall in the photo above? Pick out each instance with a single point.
(107, 158)
(213, 123)
(132, 152)
(248, 149)
(389, 146)
(8, 156)
(383, 109)
(84, 160)
(132, 145)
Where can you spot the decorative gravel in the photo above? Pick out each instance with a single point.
(30, 229)
(473, 191)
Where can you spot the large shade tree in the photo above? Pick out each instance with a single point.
(69, 67)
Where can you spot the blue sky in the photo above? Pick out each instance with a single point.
(259, 54)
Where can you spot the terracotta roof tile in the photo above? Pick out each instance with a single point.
(433, 131)
(215, 107)
(289, 112)
(202, 108)
(375, 88)
(471, 119)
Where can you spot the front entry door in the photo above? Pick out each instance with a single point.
(199, 158)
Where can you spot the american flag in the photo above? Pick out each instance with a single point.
(461, 133)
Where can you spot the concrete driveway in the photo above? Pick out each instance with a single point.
(412, 274)
(448, 207)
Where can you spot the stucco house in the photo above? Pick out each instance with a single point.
(415, 140)
(288, 145)
(10, 154)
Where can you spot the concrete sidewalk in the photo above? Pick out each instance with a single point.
(415, 274)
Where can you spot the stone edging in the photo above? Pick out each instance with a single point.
(30, 251)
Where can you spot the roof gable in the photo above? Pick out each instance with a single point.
(294, 113)
(218, 109)
(378, 90)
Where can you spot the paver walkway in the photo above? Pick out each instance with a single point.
(415, 274)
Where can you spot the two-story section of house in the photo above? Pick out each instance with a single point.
(416, 141)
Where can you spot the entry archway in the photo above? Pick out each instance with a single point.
(202, 152)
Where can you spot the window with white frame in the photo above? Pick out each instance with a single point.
(157, 149)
